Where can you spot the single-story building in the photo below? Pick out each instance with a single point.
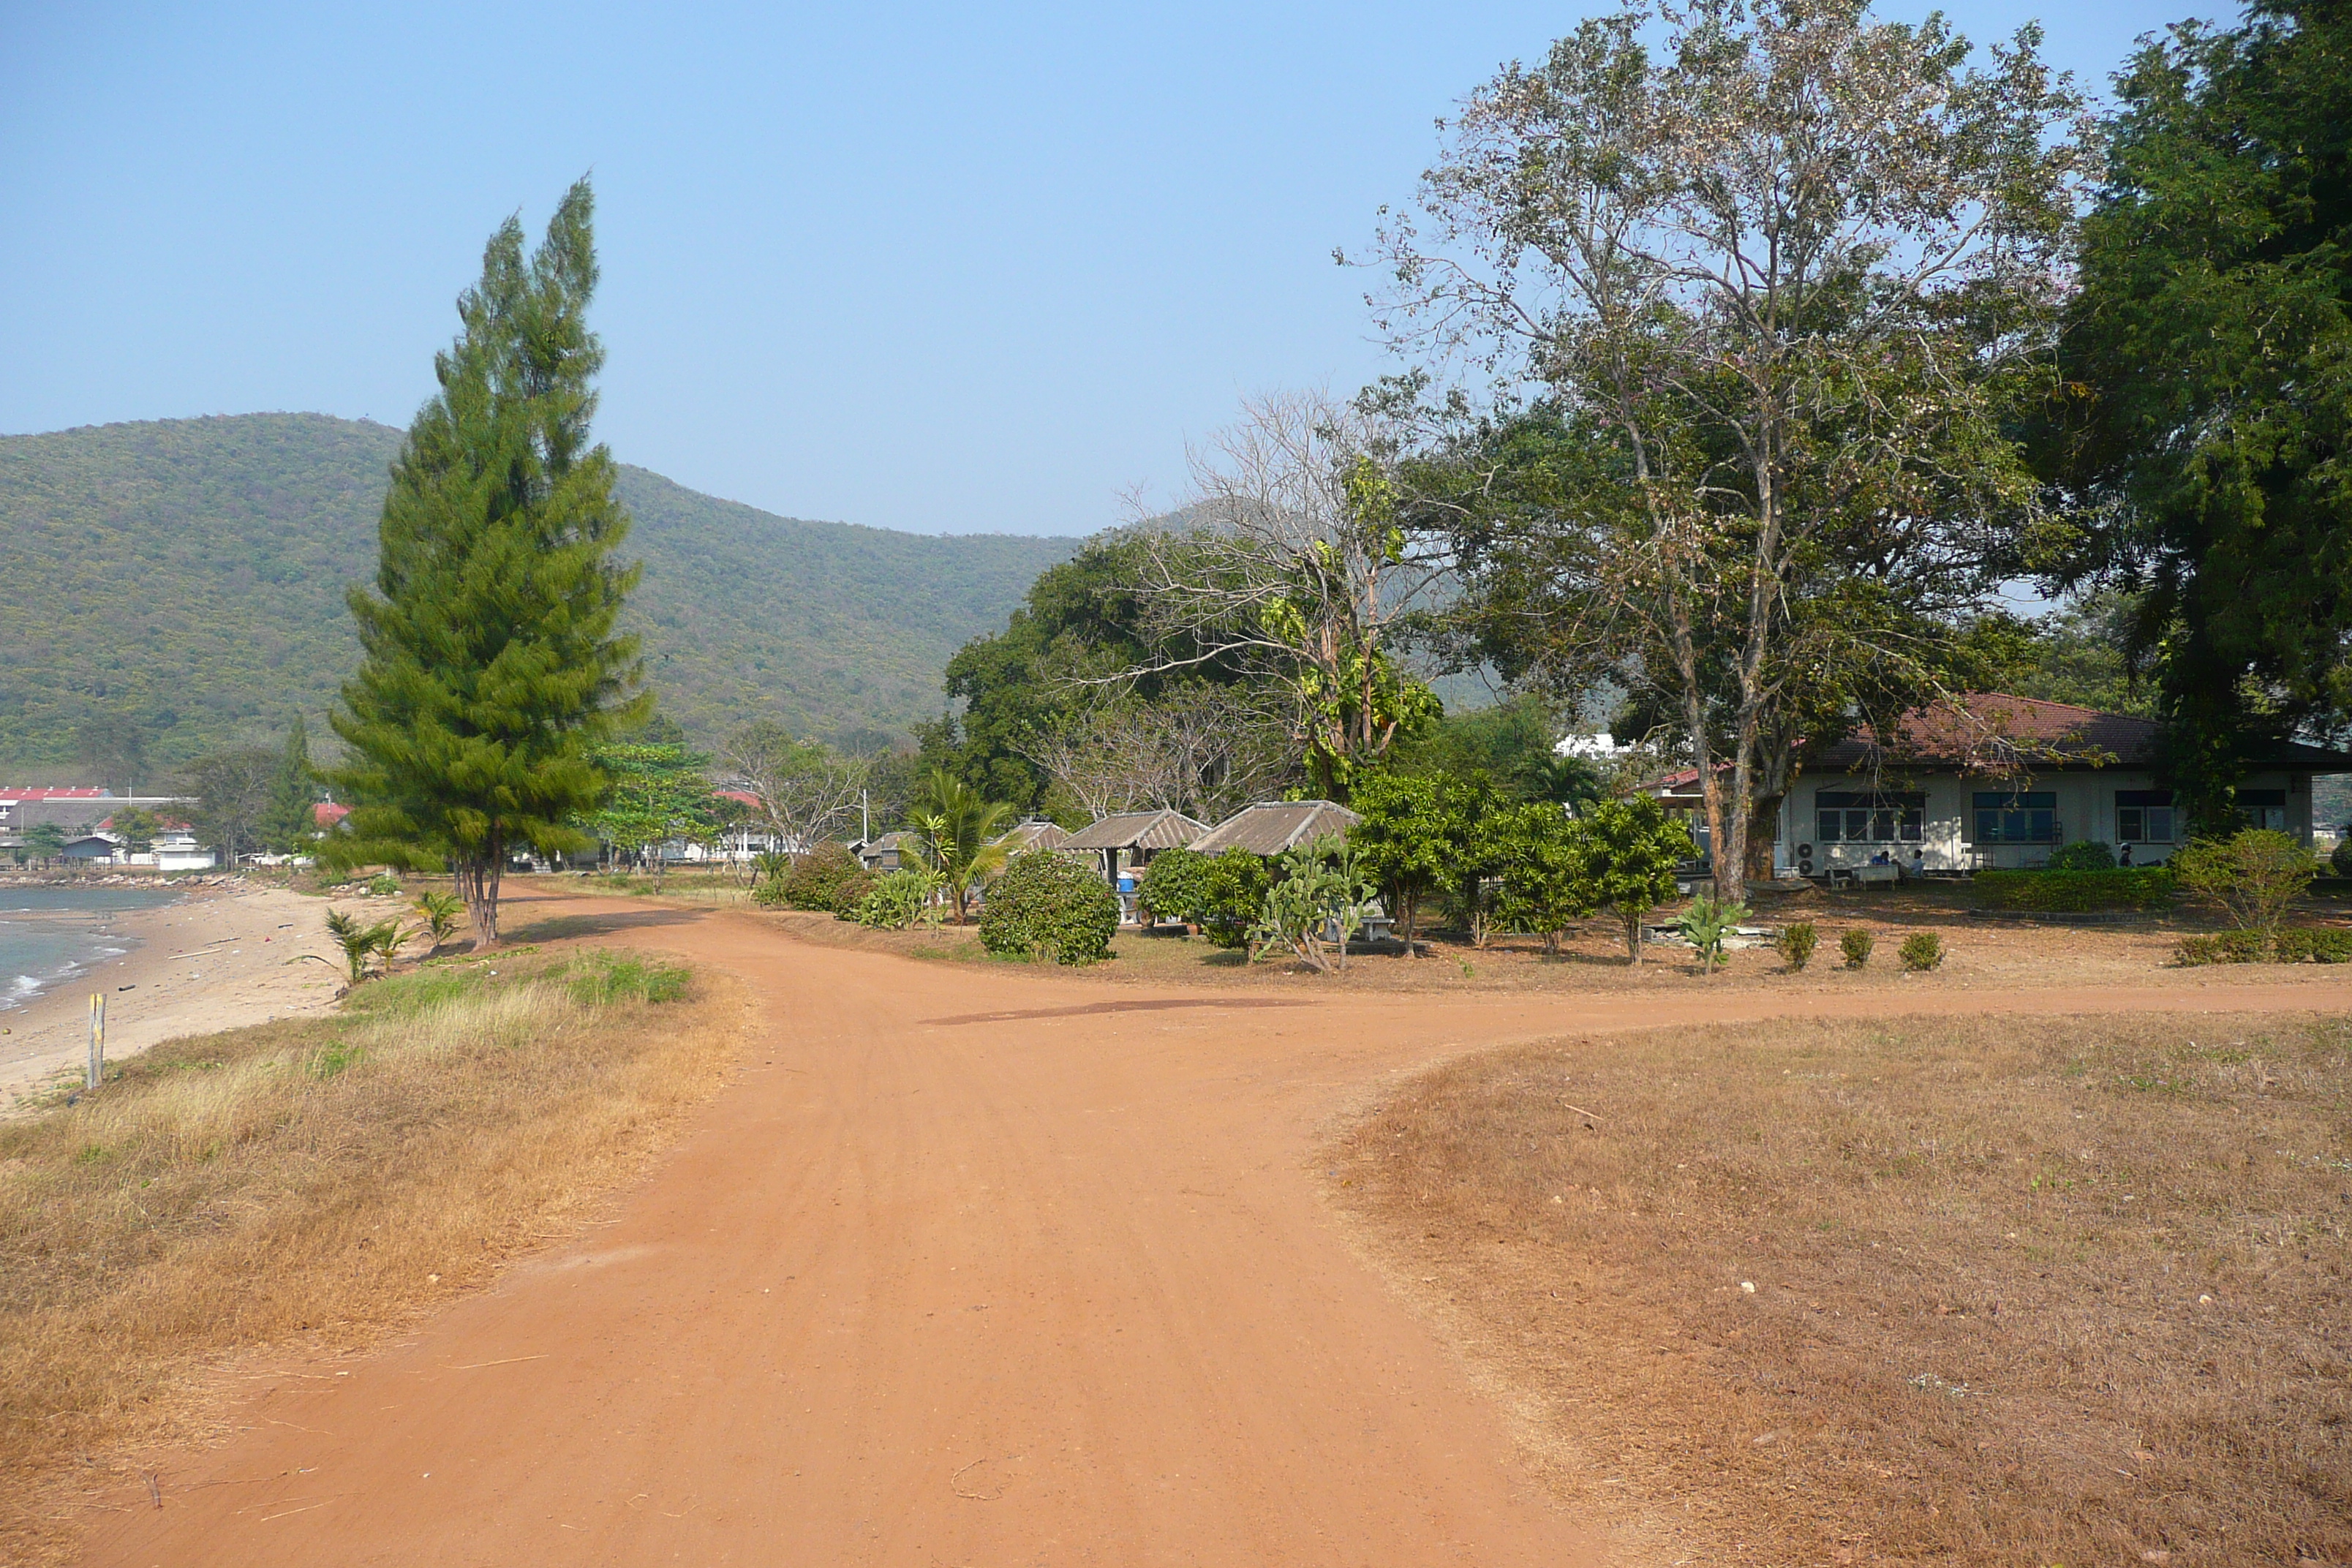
(1985, 781)
(884, 854)
(1276, 828)
(1033, 832)
(95, 848)
(1125, 842)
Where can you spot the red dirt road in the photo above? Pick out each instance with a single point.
(972, 1266)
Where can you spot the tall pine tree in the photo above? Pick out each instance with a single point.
(490, 666)
(292, 821)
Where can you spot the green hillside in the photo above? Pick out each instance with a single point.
(188, 574)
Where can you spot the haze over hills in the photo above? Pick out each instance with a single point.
(188, 574)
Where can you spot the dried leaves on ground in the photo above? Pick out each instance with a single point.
(1986, 1291)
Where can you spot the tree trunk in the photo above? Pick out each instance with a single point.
(478, 884)
(1763, 828)
(1632, 919)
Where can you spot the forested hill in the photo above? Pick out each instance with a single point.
(188, 575)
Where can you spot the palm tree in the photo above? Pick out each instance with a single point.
(952, 823)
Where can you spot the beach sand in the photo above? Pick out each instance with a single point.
(223, 957)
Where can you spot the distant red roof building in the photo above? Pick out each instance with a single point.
(745, 796)
(327, 813)
(75, 794)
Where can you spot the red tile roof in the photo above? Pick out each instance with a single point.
(75, 794)
(328, 812)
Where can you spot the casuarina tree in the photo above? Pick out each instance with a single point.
(490, 668)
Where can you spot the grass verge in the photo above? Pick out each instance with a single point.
(2024, 1291)
(317, 1180)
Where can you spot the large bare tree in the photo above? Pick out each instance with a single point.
(806, 790)
(1787, 276)
(1296, 569)
(1202, 749)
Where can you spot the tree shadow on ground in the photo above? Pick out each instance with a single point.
(563, 928)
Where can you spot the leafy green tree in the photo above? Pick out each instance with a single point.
(137, 826)
(1409, 842)
(232, 791)
(1629, 850)
(1545, 886)
(1788, 275)
(2212, 343)
(491, 667)
(956, 832)
(653, 794)
(292, 821)
(47, 840)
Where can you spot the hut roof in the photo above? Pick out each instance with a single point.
(1136, 830)
(1027, 836)
(1270, 827)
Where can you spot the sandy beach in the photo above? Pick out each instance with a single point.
(223, 958)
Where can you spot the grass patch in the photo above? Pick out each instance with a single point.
(312, 1179)
(2024, 1291)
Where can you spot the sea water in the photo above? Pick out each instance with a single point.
(51, 934)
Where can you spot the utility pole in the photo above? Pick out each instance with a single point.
(864, 821)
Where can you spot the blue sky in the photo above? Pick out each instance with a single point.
(928, 268)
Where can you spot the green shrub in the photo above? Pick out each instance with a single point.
(1921, 951)
(1856, 943)
(1705, 925)
(2339, 859)
(828, 878)
(897, 902)
(2223, 947)
(1238, 882)
(1048, 904)
(2083, 855)
(2075, 892)
(2324, 945)
(384, 884)
(1797, 944)
(2253, 875)
(1175, 886)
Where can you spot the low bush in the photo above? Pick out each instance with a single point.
(896, 901)
(1921, 951)
(2075, 892)
(1049, 905)
(1856, 943)
(1237, 885)
(1797, 944)
(2083, 854)
(2339, 859)
(2223, 947)
(2252, 877)
(1175, 886)
(2324, 945)
(828, 879)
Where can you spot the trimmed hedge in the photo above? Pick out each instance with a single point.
(828, 878)
(2075, 892)
(1047, 903)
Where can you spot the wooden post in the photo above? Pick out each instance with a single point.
(97, 1039)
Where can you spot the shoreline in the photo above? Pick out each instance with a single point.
(222, 957)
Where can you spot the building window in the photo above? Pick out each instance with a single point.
(1846, 817)
(2143, 817)
(2023, 816)
(2264, 808)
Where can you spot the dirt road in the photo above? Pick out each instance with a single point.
(972, 1267)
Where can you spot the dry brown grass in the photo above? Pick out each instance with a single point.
(2026, 1292)
(316, 1182)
